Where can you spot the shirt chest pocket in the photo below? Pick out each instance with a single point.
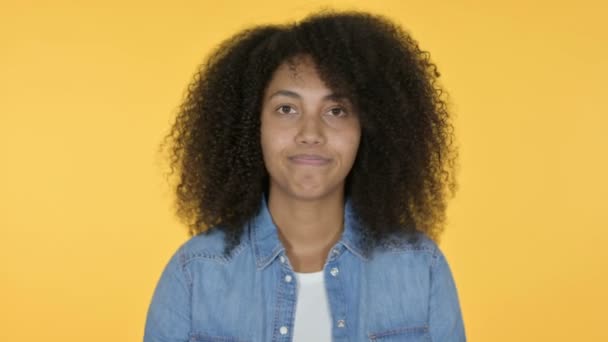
(403, 334)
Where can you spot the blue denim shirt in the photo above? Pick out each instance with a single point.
(403, 291)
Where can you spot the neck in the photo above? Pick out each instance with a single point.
(307, 227)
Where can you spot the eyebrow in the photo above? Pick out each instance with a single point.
(289, 93)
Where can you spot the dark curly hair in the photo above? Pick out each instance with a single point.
(406, 159)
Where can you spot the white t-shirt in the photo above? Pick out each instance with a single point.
(313, 319)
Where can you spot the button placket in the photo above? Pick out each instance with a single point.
(336, 296)
(288, 281)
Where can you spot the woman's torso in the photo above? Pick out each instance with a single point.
(251, 294)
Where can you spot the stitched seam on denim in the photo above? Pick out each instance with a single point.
(265, 262)
(280, 294)
(434, 258)
(353, 249)
(182, 263)
(189, 282)
(190, 256)
(409, 249)
(216, 338)
(256, 251)
(276, 315)
(341, 295)
(374, 336)
(436, 255)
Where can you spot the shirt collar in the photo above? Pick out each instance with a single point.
(264, 236)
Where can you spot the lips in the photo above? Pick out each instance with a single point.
(309, 159)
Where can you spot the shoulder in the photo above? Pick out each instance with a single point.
(413, 248)
(411, 242)
(208, 245)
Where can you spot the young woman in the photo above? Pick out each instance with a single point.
(315, 160)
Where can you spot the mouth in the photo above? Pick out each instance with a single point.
(309, 159)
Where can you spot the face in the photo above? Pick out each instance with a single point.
(309, 134)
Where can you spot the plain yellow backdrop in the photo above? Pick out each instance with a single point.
(88, 90)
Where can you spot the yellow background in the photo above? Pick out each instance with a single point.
(87, 92)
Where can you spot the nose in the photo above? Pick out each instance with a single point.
(310, 131)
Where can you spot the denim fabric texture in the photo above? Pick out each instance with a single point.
(402, 290)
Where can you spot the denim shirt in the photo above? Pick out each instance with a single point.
(403, 291)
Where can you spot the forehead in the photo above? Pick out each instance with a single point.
(296, 72)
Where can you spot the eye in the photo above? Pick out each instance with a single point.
(336, 111)
(281, 109)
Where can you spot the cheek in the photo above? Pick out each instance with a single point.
(350, 144)
(273, 140)
(265, 137)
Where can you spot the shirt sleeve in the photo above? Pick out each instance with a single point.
(445, 321)
(168, 318)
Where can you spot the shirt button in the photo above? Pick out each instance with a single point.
(334, 271)
(288, 278)
(341, 323)
(282, 259)
(335, 251)
(283, 330)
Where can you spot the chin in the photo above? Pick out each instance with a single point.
(312, 193)
(303, 190)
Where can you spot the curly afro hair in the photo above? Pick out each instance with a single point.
(405, 165)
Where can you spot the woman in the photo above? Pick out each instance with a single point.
(314, 164)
